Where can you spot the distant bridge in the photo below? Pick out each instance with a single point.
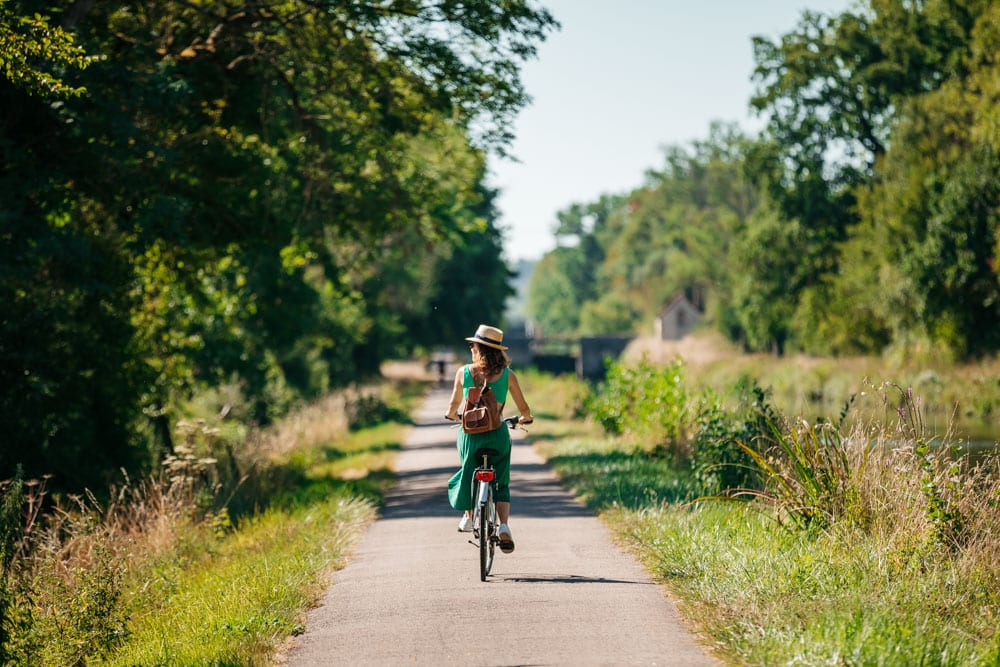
(585, 356)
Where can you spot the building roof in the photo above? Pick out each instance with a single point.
(678, 300)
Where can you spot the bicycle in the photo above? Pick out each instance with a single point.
(485, 525)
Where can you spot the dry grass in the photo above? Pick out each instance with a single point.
(84, 563)
(916, 500)
(322, 421)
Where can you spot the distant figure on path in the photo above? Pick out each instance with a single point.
(440, 365)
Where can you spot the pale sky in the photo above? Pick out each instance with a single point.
(621, 80)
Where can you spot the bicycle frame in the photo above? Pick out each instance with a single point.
(484, 517)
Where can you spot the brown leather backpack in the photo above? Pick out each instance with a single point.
(482, 411)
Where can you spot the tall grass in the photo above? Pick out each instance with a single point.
(211, 560)
(806, 469)
(862, 541)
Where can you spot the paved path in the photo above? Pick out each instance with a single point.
(412, 596)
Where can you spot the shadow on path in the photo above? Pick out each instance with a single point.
(423, 492)
(564, 579)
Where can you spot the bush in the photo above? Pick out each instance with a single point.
(78, 611)
(645, 401)
(367, 410)
(718, 460)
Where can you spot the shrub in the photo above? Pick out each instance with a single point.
(646, 401)
(78, 611)
(718, 461)
(806, 470)
(369, 409)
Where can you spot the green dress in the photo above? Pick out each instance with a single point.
(460, 484)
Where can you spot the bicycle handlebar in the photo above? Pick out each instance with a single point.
(516, 422)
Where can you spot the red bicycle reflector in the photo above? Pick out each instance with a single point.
(484, 475)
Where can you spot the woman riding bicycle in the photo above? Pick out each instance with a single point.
(489, 362)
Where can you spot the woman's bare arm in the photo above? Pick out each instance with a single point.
(456, 396)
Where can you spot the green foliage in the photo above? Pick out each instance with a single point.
(876, 580)
(369, 410)
(719, 462)
(863, 219)
(767, 251)
(649, 403)
(676, 234)
(655, 409)
(806, 472)
(243, 526)
(628, 256)
(251, 588)
(559, 285)
(937, 231)
(89, 620)
(944, 516)
(609, 315)
(468, 281)
(264, 196)
(605, 475)
(33, 54)
(939, 466)
(11, 520)
(772, 596)
(11, 525)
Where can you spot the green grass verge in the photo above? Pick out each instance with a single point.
(766, 595)
(769, 596)
(230, 592)
(235, 602)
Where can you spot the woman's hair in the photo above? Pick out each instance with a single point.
(490, 362)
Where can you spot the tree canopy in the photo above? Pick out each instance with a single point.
(864, 218)
(270, 194)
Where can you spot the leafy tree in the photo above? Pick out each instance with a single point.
(470, 284)
(831, 90)
(609, 314)
(205, 211)
(554, 299)
(667, 237)
(566, 278)
(766, 256)
(934, 211)
(864, 217)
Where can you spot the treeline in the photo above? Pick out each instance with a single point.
(865, 218)
(271, 196)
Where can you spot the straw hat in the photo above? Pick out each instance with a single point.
(488, 336)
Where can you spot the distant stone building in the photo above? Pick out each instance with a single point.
(677, 320)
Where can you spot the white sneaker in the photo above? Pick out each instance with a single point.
(465, 524)
(506, 542)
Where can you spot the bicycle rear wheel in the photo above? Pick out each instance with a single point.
(492, 526)
(487, 534)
